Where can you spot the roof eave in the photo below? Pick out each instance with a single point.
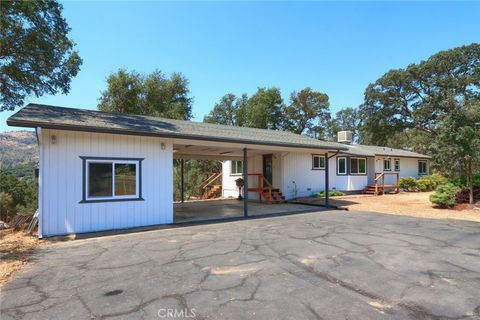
(32, 124)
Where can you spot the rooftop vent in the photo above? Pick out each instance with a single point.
(344, 137)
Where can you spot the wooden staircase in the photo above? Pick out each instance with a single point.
(277, 196)
(210, 190)
(379, 187)
(266, 191)
(213, 191)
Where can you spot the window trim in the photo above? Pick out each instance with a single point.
(390, 164)
(395, 165)
(338, 166)
(358, 166)
(113, 198)
(231, 167)
(426, 168)
(313, 162)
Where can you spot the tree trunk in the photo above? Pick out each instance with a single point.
(470, 182)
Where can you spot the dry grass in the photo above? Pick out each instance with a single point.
(416, 204)
(15, 248)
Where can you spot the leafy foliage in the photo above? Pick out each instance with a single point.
(346, 119)
(306, 111)
(154, 95)
(422, 94)
(408, 183)
(36, 56)
(432, 107)
(16, 195)
(331, 193)
(426, 183)
(230, 110)
(445, 195)
(195, 172)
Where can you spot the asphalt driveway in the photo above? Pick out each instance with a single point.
(325, 265)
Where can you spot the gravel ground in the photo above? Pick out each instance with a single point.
(415, 204)
(15, 248)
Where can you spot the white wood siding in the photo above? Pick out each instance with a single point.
(61, 180)
(229, 187)
(299, 180)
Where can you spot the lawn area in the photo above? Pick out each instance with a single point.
(415, 204)
(15, 248)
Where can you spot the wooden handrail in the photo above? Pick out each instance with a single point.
(382, 175)
(260, 188)
(209, 180)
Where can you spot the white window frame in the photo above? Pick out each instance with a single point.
(338, 166)
(426, 167)
(232, 165)
(358, 166)
(389, 164)
(319, 162)
(113, 162)
(395, 166)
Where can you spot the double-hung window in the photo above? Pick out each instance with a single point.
(111, 179)
(318, 162)
(422, 167)
(341, 166)
(237, 167)
(396, 164)
(358, 166)
(387, 165)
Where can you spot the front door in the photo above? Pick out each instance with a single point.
(267, 168)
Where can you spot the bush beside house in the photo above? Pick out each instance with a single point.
(427, 183)
(445, 195)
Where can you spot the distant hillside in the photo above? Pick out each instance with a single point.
(18, 152)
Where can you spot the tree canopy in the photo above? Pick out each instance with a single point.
(421, 95)
(306, 110)
(154, 95)
(230, 110)
(432, 107)
(36, 55)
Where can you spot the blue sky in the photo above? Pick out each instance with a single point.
(336, 48)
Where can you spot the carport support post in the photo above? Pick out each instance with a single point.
(182, 182)
(327, 193)
(245, 183)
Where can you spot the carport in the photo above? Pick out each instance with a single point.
(254, 202)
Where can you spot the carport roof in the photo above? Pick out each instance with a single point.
(53, 117)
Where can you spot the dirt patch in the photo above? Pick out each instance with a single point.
(416, 204)
(15, 248)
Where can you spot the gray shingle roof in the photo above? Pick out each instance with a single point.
(45, 116)
(363, 150)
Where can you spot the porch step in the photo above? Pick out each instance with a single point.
(277, 196)
(371, 189)
(214, 191)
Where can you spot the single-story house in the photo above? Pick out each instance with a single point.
(302, 174)
(103, 171)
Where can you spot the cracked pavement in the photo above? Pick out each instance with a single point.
(323, 265)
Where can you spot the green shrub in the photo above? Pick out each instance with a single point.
(462, 181)
(408, 183)
(444, 195)
(437, 179)
(332, 193)
(424, 185)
